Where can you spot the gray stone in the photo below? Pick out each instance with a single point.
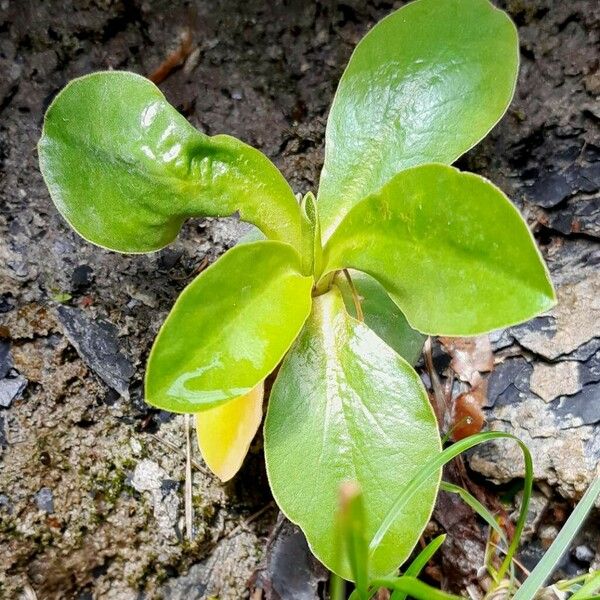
(10, 389)
(97, 344)
(224, 572)
(584, 553)
(45, 500)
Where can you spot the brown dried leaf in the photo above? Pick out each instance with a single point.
(470, 356)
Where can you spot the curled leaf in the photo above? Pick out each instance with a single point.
(125, 169)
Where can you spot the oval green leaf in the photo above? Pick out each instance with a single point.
(424, 85)
(382, 315)
(229, 328)
(125, 169)
(451, 250)
(345, 407)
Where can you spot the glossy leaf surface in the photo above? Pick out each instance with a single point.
(382, 315)
(229, 328)
(345, 407)
(450, 249)
(125, 169)
(226, 431)
(424, 85)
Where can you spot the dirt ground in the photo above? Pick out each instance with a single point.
(91, 479)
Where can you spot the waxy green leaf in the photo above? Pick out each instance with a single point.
(345, 407)
(125, 169)
(382, 315)
(229, 328)
(424, 85)
(451, 250)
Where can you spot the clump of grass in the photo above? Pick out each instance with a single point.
(354, 546)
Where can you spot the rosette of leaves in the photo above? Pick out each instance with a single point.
(427, 250)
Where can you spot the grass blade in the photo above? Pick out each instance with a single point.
(413, 587)
(431, 467)
(560, 545)
(351, 524)
(591, 586)
(475, 505)
(417, 565)
(337, 588)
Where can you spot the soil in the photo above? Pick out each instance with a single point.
(91, 478)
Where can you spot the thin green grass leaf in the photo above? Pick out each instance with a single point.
(487, 516)
(337, 588)
(429, 470)
(418, 564)
(591, 586)
(474, 504)
(413, 587)
(546, 566)
(351, 524)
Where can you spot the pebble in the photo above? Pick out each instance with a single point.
(10, 389)
(584, 554)
(45, 500)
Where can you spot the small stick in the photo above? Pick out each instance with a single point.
(355, 298)
(189, 516)
(440, 400)
(174, 60)
(177, 449)
(249, 520)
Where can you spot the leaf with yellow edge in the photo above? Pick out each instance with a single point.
(226, 431)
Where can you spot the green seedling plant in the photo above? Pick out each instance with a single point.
(337, 291)
(356, 548)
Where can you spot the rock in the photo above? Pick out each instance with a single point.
(5, 504)
(549, 381)
(552, 189)
(6, 302)
(81, 278)
(290, 570)
(578, 217)
(10, 389)
(538, 504)
(5, 359)
(547, 534)
(97, 344)
(574, 321)
(45, 500)
(223, 574)
(584, 554)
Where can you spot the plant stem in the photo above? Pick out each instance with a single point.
(355, 297)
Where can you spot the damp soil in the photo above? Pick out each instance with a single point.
(91, 479)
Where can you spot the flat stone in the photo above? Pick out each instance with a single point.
(549, 381)
(10, 389)
(574, 321)
(97, 344)
(290, 571)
